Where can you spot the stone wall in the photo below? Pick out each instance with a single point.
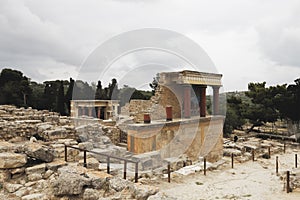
(21, 124)
(170, 96)
(137, 108)
(164, 96)
(193, 137)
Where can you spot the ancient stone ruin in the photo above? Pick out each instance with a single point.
(106, 152)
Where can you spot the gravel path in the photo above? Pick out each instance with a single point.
(250, 180)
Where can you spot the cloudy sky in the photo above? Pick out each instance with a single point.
(247, 40)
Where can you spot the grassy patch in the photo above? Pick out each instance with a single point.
(247, 195)
(199, 183)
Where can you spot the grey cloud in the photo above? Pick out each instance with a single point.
(51, 38)
(25, 36)
(279, 38)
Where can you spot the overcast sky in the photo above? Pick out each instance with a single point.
(248, 40)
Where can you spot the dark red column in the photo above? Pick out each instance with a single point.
(202, 100)
(147, 119)
(216, 100)
(99, 112)
(187, 101)
(169, 113)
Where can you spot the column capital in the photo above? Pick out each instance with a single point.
(216, 87)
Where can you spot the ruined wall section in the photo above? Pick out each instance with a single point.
(21, 124)
(172, 96)
(156, 106)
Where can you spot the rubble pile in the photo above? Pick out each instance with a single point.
(32, 159)
(242, 149)
(60, 180)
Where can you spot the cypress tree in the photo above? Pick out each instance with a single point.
(60, 103)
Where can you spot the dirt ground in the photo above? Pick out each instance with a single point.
(250, 180)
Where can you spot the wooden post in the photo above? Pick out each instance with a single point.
(287, 181)
(125, 169)
(269, 152)
(284, 147)
(84, 158)
(136, 172)
(66, 153)
(276, 165)
(296, 161)
(204, 166)
(232, 160)
(169, 172)
(253, 155)
(108, 164)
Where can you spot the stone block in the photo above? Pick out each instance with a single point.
(55, 165)
(228, 152)
(36, 196)
(6, 146)
(98, 178)
(92, 163)
(41, 168)
(38, 151)
(12, 160)
(91, 194)
(12, 187)
(55, 134)
(86, 145)
(69, 184)
(34, 177)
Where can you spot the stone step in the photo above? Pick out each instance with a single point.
(122, 144)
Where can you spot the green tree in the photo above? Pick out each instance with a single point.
(50, 95)
(36, 100)
(287, 100)
(68, 96)
(99, 91)
(234, 118)
(293, 112)
(83, 91)
(113, 90)
(262, 108)
(14, 88)
(60, 100)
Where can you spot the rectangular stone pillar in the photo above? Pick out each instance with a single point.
(85, 111)
(216, 100)
(90, 112)
(187, 101)
(202, 100)
(79, 111)
(105, 113)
